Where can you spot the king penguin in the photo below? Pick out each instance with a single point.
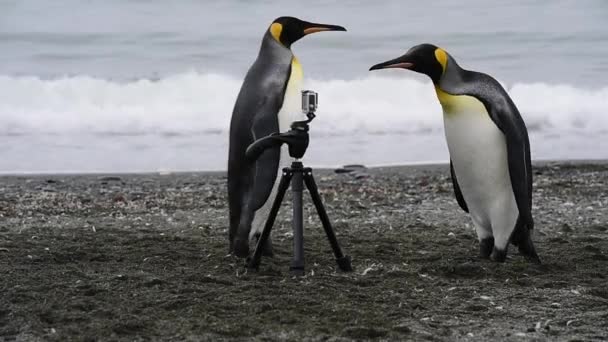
(268, 102)
(489, 150)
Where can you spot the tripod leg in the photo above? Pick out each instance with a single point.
(342, 260)
(254, 262)
(297, 186)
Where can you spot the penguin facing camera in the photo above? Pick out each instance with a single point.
(268, 102)
(489, 149)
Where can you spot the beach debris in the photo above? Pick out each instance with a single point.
(373, 267)
(119, 197)
(358, 171)
(350, 168)
(110, 179)
(361, 175)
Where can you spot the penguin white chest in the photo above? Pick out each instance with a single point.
(478, 152)
(292, 101)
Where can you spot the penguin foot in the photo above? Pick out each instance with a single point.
(485, 247)
(526, 248)
(241, 247)
(498, 255)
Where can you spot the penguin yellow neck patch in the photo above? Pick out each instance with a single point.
(275, 31)
(296, 69)
(455, 104)
(442, 58)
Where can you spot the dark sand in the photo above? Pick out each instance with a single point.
(143, 257)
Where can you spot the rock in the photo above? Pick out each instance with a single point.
(361, 175)
(350, 168)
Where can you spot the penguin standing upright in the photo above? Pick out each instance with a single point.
(489, 150)
(268, 102)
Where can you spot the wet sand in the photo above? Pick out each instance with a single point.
(144, 257)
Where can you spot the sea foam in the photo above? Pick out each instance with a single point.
(194, 103)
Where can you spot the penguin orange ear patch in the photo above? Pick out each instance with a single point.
(275, 31)
(442, 58)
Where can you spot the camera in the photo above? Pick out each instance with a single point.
(310, 101)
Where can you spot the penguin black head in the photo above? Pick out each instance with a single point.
(288, 30)
(426, 59)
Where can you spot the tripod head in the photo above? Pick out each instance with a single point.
(296, 138)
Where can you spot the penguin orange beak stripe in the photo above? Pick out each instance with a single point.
(322, 27)
(403, 62)
(315, 29)
(403, 65)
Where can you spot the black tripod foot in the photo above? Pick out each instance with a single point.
(344, 264)
(297, 271)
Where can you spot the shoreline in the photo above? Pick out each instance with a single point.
(422, 164)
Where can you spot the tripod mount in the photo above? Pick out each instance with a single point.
(297, 139)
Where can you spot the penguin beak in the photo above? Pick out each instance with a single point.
(312, 28)
(403, 62)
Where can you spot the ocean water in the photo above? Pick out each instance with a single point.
(132, 85)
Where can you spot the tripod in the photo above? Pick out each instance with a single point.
(297, 140)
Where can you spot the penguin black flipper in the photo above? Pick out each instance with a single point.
(457, 192)
(507, 118)
(254, 117)
(267, 164)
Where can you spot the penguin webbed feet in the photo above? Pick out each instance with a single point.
(498, 255)
(485, 247)
(240, 247)
(526, 248)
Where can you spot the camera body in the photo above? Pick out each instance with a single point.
(310, 101)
